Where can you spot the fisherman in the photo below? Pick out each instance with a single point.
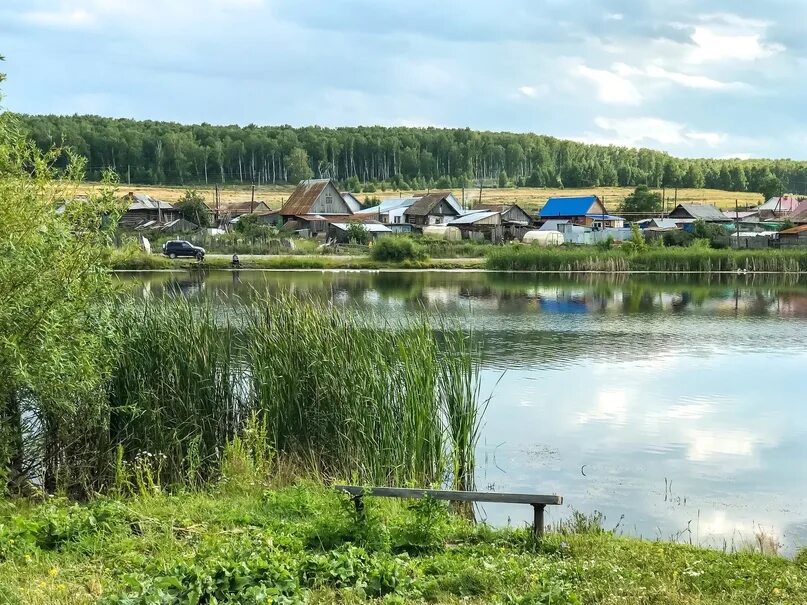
(236, 262)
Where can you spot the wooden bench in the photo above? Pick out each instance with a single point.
(537, 501)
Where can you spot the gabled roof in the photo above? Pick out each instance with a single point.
(141, 201)
(706, 212)
(567, 206)
(351, 200)
(658, 223)
(304, 196)
(472, 217)
(424, 205)
(239, 208)
(786, 203)
(800, 213)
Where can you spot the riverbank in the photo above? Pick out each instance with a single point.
(508, 258)
(245, 543)
(156, 262)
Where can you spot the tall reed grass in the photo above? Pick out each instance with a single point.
(519, 257)
(347, 395)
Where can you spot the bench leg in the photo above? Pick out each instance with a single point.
(358, 502)
(538, 520)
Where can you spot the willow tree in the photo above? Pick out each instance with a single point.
(53, 290)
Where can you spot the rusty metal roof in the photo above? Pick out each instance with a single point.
(304, 196)
(239, 208)
(427, 203)
(794, 230)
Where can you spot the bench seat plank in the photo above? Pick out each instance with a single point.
(454, 496)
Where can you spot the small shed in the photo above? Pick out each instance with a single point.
(480, 226)
(515, 220)
(339, 231)
(795, 237)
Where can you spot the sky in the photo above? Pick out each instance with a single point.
(696, 78)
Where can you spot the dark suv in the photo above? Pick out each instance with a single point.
(178, 247)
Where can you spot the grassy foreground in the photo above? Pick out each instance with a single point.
(303, 543)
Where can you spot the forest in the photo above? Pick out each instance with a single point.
(152, 152)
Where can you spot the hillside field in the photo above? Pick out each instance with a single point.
(530, 198)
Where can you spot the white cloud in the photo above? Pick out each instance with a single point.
(690, 80)
(705, 445)
(644, 131)
(533, 92)
(614, 17)
(612, 88)
(713, 45)
(77, 18)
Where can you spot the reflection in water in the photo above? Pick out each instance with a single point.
(673, 403)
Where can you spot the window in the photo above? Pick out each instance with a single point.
(397, 219)
(438, 220)
(328, 198)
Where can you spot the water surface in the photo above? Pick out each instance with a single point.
(675, 408)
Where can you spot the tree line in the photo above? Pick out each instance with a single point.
(150, 152)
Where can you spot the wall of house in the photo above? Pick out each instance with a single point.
(336, 206)
(517, 215)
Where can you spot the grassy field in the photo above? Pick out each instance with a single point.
(529, 198)
(298, 542)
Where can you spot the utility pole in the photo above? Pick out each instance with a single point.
(737, 221)
(216, 197)
(252, 202)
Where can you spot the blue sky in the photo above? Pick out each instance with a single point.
(707, 78)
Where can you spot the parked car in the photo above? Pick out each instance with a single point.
(178, 247)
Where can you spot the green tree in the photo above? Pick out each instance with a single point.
(642, 202)
(297, 166)
(53, 316)
(502, 179)
(249, 226)
(192, 208)
(770, 186)
(357, 234)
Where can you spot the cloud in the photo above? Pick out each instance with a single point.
(612, 88)
(710, 45)
(77, 18)
(644, 131)
(533, 92)
(691, 80)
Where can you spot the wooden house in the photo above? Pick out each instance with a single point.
(312, 205)
(143, 208)
(436, 208)
(515, 220)
(795, 237)
(483, 225)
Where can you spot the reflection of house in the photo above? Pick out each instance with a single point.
(480, 226)
(437, 208)
(515, 220)
(586, 210)
(144, 208)
(793, 237)
(313, 204)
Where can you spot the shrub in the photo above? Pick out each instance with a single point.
(397, 249)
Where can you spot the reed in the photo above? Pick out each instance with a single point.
(671, 260)
(348, 395)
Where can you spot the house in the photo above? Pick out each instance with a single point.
(352, 201)
(585, 210)
(778, 207)
(684, 213)
(515, 220)
(312, 205)
(437, 208)
(339, 231)
(799, 213)
(231, 211)
(657, 224)
(143, 208)
(484, 225)
(793, 237)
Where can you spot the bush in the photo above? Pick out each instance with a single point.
(397, 249)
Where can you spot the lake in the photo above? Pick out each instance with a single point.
(673, 407)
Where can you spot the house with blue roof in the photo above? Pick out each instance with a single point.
(583, 210)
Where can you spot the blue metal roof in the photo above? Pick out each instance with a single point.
(567, 206)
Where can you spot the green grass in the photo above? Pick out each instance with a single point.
(520, 257)
(303, 543)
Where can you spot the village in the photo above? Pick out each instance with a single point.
(318, 209)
